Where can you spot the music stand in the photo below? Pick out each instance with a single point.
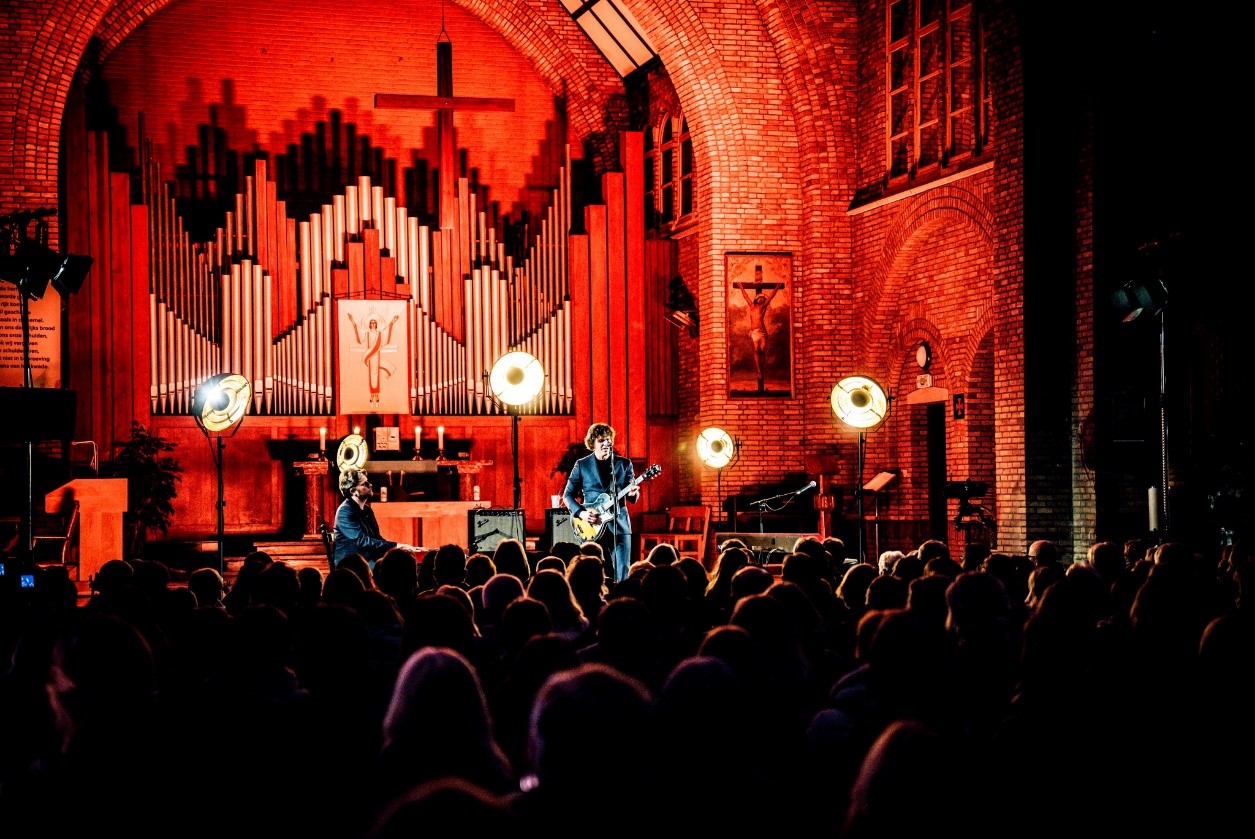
(875, 486)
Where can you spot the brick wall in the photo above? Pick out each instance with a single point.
(785, 106)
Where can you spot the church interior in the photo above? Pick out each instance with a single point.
(695, 224)
(920, 322)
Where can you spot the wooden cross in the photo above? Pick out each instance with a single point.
(443, 103)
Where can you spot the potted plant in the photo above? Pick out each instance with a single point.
(152, 475)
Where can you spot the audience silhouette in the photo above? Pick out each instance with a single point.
(812, 695)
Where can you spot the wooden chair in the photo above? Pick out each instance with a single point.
(56, 539)
(328, 533)
(687, 527)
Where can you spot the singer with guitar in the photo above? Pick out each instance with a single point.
(594, 493)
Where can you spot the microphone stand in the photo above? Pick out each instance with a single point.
(763, 503)
(614, 509)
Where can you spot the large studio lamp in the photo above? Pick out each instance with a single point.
(219, 406)
(861, 404)
(352, 453)
(515, 380)
(717, 450)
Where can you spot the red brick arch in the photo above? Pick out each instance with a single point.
(771, 162)
(55, 40)
(924, 215)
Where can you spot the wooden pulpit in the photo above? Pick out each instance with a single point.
(101, 503)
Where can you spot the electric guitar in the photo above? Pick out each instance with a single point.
(602, 503)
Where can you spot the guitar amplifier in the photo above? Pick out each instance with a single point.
(486, 528)
(558, 527)
(764, 545)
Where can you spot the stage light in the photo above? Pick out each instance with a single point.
(860, 403)
(71, 273)
(516, 379)
(717, 450)
(220, 403)
(352, 453)
(219, 406)
(31, 265)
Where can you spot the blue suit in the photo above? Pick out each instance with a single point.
(357, 531)
(585, 484)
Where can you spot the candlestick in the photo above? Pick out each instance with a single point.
(418, 442)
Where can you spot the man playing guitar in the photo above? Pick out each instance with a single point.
(592, 495)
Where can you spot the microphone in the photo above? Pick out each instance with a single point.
(811, 485)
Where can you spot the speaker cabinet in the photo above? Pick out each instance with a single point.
(486, 528)
(558, 527)
(767, 547)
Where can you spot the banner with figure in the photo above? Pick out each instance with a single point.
(373, 357)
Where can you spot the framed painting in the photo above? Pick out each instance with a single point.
(373, 356)
(759, 324)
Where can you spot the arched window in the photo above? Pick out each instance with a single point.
(937, 99)
(669, 190)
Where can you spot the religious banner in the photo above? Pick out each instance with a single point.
(373, 356)
(44, 316)
(760, 329)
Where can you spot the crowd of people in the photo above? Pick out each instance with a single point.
(981, 692)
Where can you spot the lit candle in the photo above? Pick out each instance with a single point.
(418, 437)
(322, 439)
(440, 437)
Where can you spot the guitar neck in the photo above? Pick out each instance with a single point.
(627, 490)
(637, 481)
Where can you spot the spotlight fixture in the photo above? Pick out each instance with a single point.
(684, 319)
(219, 405)
(860, 403)
(681, 307)
(1138, 297)
(352, 453)
(30, 265)
(717, 450)
(516, 379)
(1144, 293)
(71, 273)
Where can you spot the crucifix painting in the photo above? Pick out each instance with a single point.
(760, 330)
